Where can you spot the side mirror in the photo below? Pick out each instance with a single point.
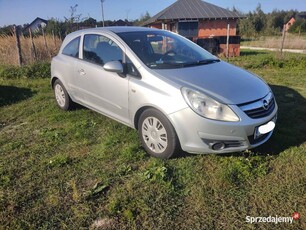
(114, 66)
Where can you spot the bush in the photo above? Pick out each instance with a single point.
(36, 70)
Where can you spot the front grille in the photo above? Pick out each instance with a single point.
(261, 108)
(261, 112)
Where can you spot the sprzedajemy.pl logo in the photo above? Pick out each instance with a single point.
(272, 219)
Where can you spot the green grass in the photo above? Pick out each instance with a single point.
(80, 170)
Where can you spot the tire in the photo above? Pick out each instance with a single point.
(157, 134)
(62, 97)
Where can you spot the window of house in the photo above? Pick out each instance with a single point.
(188, 29)
(100, 49)
(72, 48)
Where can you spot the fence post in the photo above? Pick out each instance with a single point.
(18, 47)
(54, 39)
(45, 42)
(283, 40)
(33, 49)
(227, 40)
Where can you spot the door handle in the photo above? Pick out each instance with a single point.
(82, 72)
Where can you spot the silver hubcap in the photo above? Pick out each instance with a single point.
(60, 95)
(154, 134)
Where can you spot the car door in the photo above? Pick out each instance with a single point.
(101, 90)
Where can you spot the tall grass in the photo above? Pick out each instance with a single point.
(9, 54)
(291, 42)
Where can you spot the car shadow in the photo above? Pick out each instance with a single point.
(290, 127)
(290, 130)
(11, 94)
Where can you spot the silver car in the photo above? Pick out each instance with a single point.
(176, 94)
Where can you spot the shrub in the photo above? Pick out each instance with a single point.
(36, 70)
(39, 70)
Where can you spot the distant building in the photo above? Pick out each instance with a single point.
(289, 24)
(301, 15)
(120, 22)
(36, 25)
(201, 22)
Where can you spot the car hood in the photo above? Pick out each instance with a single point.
(222, 81)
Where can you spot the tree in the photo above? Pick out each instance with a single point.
(299, 26)
(6, 30)
(246, 27)
(258, 19)
(74, 18)
(277, 20)
(258, 23)
(142, 19)
(71, 23)
(91, 22)
(56, 27)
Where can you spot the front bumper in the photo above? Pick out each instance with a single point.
(201, 135)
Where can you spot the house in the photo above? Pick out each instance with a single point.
(36, 25)
(301, 15)
(202, 22)
(289, 24)
(120, 22)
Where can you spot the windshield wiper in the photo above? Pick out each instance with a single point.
(173, 65)
(201, 62)
(208, 61)
(165, 65)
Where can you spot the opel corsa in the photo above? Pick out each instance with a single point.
(176, 94)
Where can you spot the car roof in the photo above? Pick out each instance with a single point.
(111, 29)
(114, 29)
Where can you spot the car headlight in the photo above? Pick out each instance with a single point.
(207, 107)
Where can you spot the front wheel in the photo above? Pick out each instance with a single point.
(157, 134)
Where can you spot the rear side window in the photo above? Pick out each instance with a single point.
(72, 48)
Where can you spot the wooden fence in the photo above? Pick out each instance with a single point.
(20, 50)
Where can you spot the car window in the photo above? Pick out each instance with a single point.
(100, 49)
(72, 48)
(164, 50)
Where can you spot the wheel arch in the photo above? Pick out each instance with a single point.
(138, 114)
(144, 108)
(53, 79)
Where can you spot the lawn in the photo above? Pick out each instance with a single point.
(80, 170)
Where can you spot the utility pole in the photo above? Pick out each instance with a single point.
(102, 1)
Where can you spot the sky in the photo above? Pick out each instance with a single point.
(20, 12)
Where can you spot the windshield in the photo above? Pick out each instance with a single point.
(164, 50)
